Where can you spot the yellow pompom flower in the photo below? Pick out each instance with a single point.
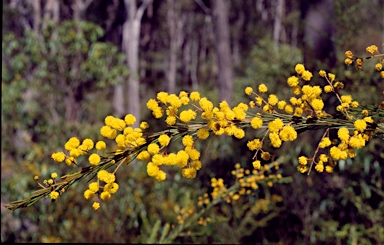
(152, 104)
(256, 122)
(281, 104)
(194, 154)
(158, 112)
(360, 125)
(188, 115)
(299, 68)
(111, 187)
(195, 96)
(317, 104)
(54, 175)
(161, 175)
(349, 54)
(275, 140)
(88, 194)
(187, 140)
(275, 125)
(255, 144)
(182, 158)
(328, 89)
(303, 160)
(293, 81)
(58, 156)
(54, 195)
(307, 75)
(272, 99)
(322, 73)
(144, 125)
(189, 173)
(72, 143)
(346, 99)
(153, 148)
(288, 133)
(170, 120)
(288, 109)
(328, 169)
(202, 133)
(323, 158)
(94, 187)
(105, 196)
(87, 145)
(118, 124)
(108, 132)
(248, 90)
(75, 153)
(205, 104)
(298, 112)
(319, 167)
(164, 140)
(256, 164)
(331, 77)
(239, 133)
(103, 175)
(96, 205)
(262, 88)
(357, 141)
(343, 134)
(94, 159)
(101, 145)
(302, 168)
(348, 61)
(143, 156)
(372, 49)
(130, 119)
(152, 169)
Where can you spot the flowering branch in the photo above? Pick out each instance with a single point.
(191, 118)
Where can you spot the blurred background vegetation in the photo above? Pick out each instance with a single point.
(64, 64)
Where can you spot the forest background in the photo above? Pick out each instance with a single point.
(68, 64)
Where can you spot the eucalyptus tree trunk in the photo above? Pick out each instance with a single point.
(175, 24)
(223, 51)
(277, 25)
(131, 36)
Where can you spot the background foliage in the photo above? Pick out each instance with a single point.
(60, 84)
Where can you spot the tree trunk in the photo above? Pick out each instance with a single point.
(131, 36)
(79, 7)
(51, 12)
(36, 17)
(223, 52)
(175, 24)
(277, 25)
(318, 32)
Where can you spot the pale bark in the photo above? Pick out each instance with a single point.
(223, 52)
(51, 12)
(175, 24)
(79, 7)
(131, 36)
(36, 17)
(277, 25)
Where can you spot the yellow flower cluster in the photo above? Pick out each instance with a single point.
(105, 192)
(247, 180)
